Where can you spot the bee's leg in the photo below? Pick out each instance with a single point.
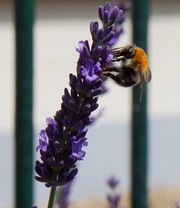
(119, 59)
(115, 77)
(111, 75)
(111, 70)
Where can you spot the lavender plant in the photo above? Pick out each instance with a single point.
(61, 142)
(177, 204)
(62, 197)
(113, 198)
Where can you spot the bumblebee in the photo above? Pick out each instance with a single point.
(128, 66)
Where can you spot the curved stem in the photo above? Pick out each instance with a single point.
(51, 197)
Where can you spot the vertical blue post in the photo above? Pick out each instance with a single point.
(139, 114)
(23, 103)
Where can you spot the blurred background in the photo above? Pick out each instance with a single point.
(58, 27)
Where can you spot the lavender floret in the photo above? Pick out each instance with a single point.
(112, 182)
(61, 143)
(63, 194)
(178, 204)
(113, 198)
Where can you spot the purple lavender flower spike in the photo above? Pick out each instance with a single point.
(178, 204)
(63, 194)
(112, 182)
(61, 143)
(113, 198)
(125, 7)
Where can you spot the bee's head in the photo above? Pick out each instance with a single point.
(129, 52)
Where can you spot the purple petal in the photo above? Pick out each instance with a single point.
(107, 7)
(80, 46)
(114, 13)
(100, 34)
(101, 12)
(108, 37)
(106, 17)
(42, 141)
(112, 182)
(51, 121)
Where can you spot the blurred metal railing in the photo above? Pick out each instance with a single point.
(24, 12)
(139, 133)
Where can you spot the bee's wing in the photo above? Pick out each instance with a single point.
(117, 53)
(117, 49)
(147, 75)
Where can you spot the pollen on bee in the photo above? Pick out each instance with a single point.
(141, 58)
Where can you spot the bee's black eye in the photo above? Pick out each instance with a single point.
(130, 50)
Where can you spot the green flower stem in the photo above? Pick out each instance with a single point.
(51, 197)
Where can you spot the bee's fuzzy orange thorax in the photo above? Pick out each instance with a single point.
(141, 59)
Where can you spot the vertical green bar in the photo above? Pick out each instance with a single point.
(139, 114)
(24, 103)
